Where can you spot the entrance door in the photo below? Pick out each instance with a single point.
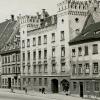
(81, 89)
(54, 85)
(9, 82)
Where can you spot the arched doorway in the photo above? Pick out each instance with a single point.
(54, 85)
(65, 85)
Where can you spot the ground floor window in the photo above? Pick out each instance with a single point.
(96, 86)
(74, 86)
(34, 81)
(45, 81)
(87, 86)
(40, 81)
(24, 80)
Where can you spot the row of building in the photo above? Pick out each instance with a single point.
(58, 52)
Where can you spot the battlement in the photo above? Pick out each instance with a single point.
(75, 5)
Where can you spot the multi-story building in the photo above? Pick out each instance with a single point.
(10, 53)
(85, 56)
(45, 59)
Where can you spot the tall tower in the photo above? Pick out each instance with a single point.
(71, 16)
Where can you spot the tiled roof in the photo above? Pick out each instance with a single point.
(91, 33)
(6, 30)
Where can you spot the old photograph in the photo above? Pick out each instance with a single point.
(49, 49)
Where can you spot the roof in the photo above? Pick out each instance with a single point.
(91, 33)
(6, 30)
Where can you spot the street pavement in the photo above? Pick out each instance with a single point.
(6, 94)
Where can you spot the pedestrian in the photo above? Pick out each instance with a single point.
(43, 90)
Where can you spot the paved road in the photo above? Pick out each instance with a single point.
(14, 96)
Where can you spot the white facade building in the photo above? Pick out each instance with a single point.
(45, 59)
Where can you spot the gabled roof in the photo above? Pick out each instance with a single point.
(89, 21)
(91, 33)
(6, 30)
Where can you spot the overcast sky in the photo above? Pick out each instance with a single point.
(29, 7)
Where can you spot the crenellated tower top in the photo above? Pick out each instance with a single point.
(76, 7)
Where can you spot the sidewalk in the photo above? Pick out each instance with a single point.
(47, 95)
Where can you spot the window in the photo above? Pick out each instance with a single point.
(8, 59)
(95, 68)
(53, 37)
(39, 52)
(45, 54)
(80, 71)
(28, 42)
(34, 41)
(40, 81)
(95, 49)
(53, 68)
(34, 55)
(77, 31)
(76, 20)
(62, 35)
(40, 68)
(34, 68)
(45, 82)
(86, 50)
(23, 43)
(23, 69)
(45, 39)
(73, 52)
(39, 40)
(87, 86)
(23, 56)
(62, 51)
(80, 51)
(53, 52)
(34, 81)
(28, 55)
(62, 67)
(74, 86)
(13, 57)
(28, 69)
(62, 20)
(29, 80)
(74, 70)
(45, 68)
(96, 86)
(24, 81)
(5, 59)
(87, 68)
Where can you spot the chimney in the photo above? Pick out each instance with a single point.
(12, 17)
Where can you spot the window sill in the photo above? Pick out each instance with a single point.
(52, 41)
(94, 53)
(62, 40)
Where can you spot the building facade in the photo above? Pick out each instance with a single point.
(10, 53)
(45, 58)
(85, 56)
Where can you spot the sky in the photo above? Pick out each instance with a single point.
(26, 7)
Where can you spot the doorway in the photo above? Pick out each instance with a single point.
(81, 89)
(54, 85)
(9, 83)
